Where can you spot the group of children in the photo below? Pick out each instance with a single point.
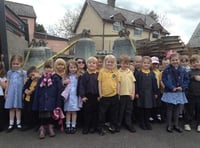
(96, 93)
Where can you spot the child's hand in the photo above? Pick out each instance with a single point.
(137, 96)
(156, 96)
(27, 92)
(174, 89)
(179, 89)
(197, 78)
(67, 81)
(99, 98)
(132, 96)
(84, 99)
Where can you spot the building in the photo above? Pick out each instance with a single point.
(105, 21)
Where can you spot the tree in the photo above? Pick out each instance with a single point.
(66, 25)
(40, 28)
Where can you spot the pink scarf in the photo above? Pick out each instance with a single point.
(47, 79)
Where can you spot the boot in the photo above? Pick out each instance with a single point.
(51, 131)
(42, 132)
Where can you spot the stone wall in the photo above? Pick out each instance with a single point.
(16, 44)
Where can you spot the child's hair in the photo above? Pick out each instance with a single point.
(184, 58)
(146, 58)
(48, 63)
(92, 59)
(125, 59)
(32, 69)
(19, 58)
(137, 57)
(194, 58)
(174, 55)
(100, 57)
(72, 62)
(2, 70)
(59, 61)
(110, 57)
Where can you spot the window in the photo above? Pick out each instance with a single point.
(138, 31)
(117, 26)
(155, 34)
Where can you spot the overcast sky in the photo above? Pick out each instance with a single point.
(182, 16)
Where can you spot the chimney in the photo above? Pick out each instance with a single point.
(111, 3)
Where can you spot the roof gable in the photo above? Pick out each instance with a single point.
(118, 17)
(194, 41)
(21, 9)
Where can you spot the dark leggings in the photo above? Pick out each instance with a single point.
(172, 114)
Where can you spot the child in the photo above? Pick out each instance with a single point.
(108, 82)
(146, 92)
(60, 67)
(47, 98)
(13, 93)
(137, 63)
(100, 62)
(2, 99)
(30, 117)
(127, 93)
(193, 105)
(176, 81)
(88, 91)
(71, 102)
(156, 111)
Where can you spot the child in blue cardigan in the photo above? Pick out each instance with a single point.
(176, 80)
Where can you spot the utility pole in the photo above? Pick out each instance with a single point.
(3, 36)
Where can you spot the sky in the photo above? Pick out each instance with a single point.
(180, 17)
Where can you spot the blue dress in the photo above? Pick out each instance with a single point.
(72, 102)
(175, 77)
(14, 92)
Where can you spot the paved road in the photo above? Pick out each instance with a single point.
(157, 138)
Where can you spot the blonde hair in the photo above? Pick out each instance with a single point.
(112, 57)
(194, 58)
(19, 58)
(92, 59)
(125, 59)
(59, 61)
(146, 58)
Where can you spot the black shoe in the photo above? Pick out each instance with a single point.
(169, 129)
(102, 132)
(10, 128)
(131, 129)
(85, 131)
(92, 130)
(112, 129)
(73, 130)
(142, 126)
(178, 129)
(68, 130)
(148, 126)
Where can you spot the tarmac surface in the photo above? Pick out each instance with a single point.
(156, 138)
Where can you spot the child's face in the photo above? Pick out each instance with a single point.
(92, 65)
(196, 64)
(165, 63)
(184, 63)
(60, 67)
(146, 64)
(175, 61)
(110, 64)
(124, 65)
(155, 65)
(34, 75)
(100, 63)
(72, 68)
(48, 70)
(16, 65)
(137, 63)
